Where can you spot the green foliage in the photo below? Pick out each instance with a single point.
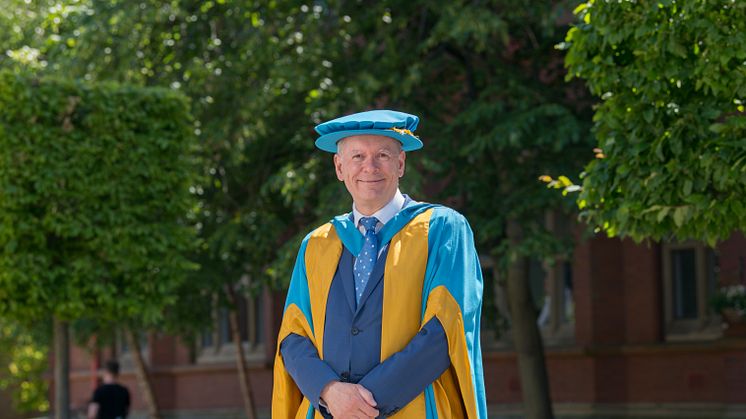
(23, 356)
(484, 77)
(671, 125)
(496, 113)
(731, 298)
(94, 194)
(19, 40)
(255, 74)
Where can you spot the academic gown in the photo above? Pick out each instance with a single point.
(431, 281)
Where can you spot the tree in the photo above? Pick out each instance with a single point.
(513, 119)
(484, 77)
(215, 53)
(23, 356)
(671, 126)
(93, 201)
(496, 114)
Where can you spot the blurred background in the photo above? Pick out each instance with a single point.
(157, 173)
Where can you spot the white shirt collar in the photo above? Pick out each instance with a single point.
(384, 214)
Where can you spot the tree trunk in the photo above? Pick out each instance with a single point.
(61, 370)
(95, 363)
(143, 379)
(243, 373)
(534, 381)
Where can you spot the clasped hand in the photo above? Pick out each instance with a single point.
(349, 401)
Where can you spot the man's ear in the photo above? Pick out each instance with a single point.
(402, 162)
(338, 167)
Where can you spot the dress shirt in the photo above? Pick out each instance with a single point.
(384, 215)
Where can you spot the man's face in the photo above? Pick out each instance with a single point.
(370, 166)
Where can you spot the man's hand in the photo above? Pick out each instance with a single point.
(345, 400)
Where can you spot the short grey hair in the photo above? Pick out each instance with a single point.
(340, 142)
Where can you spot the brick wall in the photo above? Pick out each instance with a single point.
(618, 356)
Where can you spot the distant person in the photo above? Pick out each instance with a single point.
(111, 400)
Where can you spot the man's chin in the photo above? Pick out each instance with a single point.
(371, 199)
(372, 194)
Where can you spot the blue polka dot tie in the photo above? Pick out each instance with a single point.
(366, 260)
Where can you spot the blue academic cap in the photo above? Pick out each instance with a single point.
(397, 125)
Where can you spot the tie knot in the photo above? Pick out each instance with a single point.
(369, 223)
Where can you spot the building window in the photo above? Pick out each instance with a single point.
(684, 283)
(122, 351)
(216, 342)
(556, 306)
(495, 322)
(690, 276)
(551, 288)
(553, 292)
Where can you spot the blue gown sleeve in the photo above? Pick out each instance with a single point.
(309, 372)
(404, 375)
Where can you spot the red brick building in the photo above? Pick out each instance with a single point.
(630, 334)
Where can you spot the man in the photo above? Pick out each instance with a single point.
(111, 400)
(382, 314)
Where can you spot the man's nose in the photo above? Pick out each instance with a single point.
(370, 164)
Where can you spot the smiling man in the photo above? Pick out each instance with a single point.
(382, 314)
(370, 166)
